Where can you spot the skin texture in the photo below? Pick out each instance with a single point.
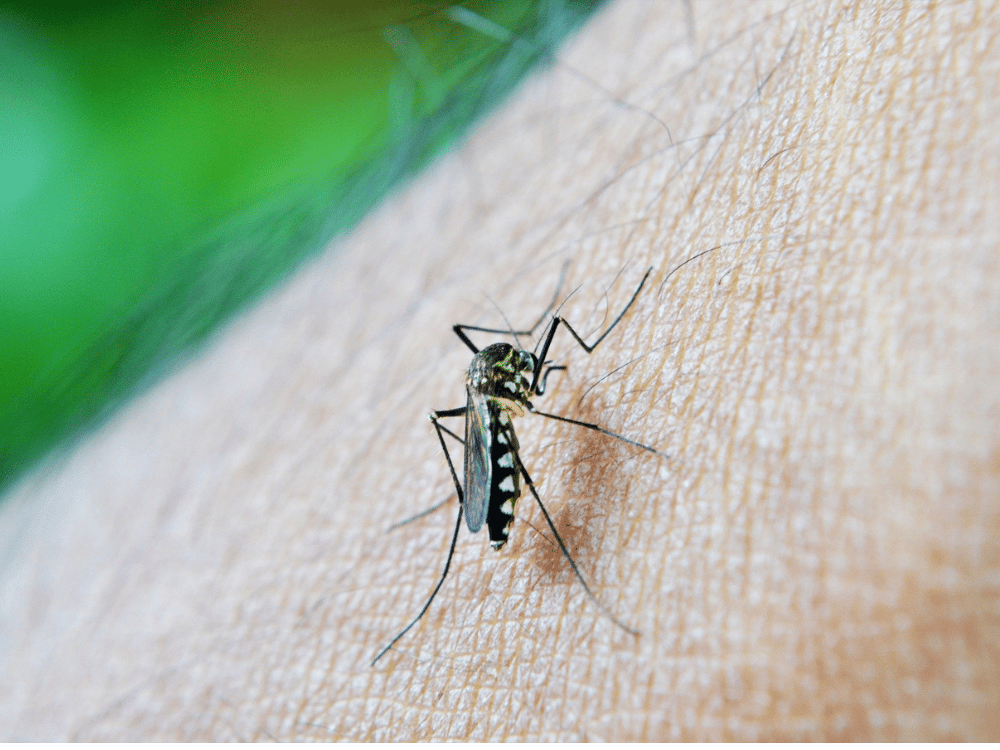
(818, 557)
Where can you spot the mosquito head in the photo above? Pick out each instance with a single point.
(503, 372)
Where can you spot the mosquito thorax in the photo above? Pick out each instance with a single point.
(503, 372)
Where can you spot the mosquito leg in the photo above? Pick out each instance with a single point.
(441, 504)
(569, 558)
(458, 411)
(545, 378)
(440, 429)
(587, 347)
(419, 515)
(445, 429)
(598, 428)
(444, 574)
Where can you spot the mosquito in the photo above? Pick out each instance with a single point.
(499, 384)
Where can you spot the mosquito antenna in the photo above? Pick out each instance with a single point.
(510, 328)
(461, 328)
(555, 312)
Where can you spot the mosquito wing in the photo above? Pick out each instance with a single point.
(478, 469)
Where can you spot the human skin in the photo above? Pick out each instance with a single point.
(816, 559)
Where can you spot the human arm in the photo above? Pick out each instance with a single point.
(813, 561)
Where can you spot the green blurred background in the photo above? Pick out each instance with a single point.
(164, 163)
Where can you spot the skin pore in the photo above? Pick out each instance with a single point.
(817, 559)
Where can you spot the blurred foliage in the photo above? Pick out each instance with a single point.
(164, 163)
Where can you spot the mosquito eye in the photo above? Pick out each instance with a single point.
(527, 361)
